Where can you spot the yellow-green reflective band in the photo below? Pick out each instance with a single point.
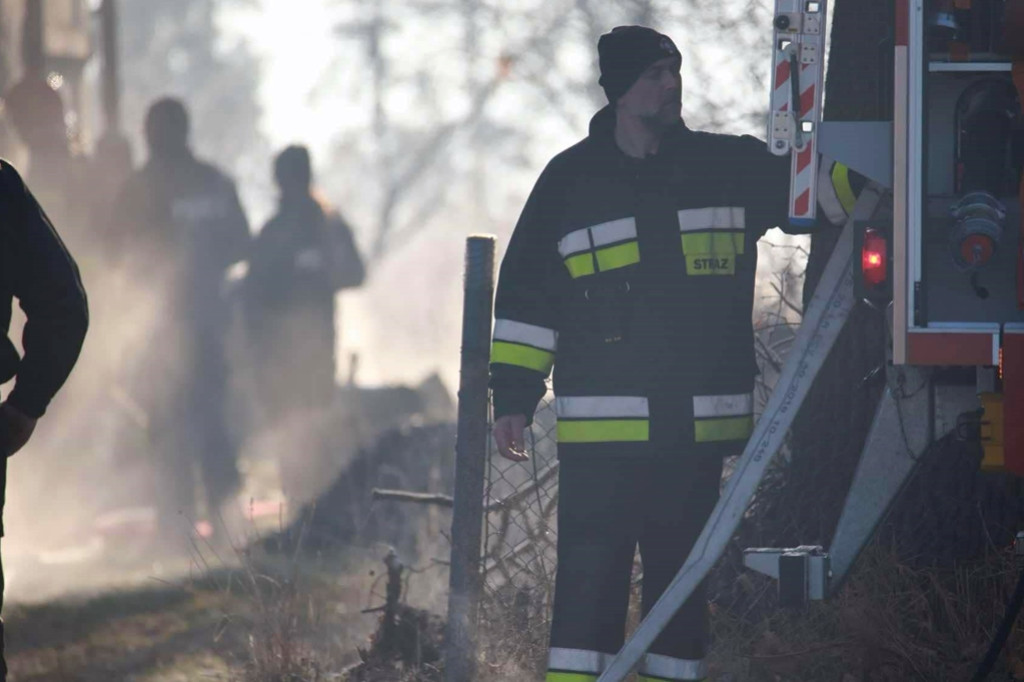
(609, 258)
(522, 356)
(569, 677)
(721, 243)
(604, 431)
(710, 264)
(841, 183)
(729, 428)
(580, 265)
(618, 256)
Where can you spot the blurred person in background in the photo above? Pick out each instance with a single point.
(300, 259)
(37, 269)
(179, 226)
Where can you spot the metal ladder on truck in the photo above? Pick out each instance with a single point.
(901, 426)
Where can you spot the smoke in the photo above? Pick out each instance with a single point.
(88, 502)
(91, 453)
(405, 322)
(82, 494)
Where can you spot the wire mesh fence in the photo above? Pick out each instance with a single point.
(518, 554)
(520, 500)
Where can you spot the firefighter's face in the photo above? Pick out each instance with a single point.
(657, 94)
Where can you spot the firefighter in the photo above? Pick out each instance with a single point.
(631, 272)
(179, 227)
(35, 268)
(300, 259)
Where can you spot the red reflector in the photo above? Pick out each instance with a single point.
(873, 257)
(977, 250)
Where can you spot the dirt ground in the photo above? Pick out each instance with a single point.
(109, 600)
(164, 633)
(264, 618)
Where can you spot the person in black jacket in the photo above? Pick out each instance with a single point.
(631, 273)
(36, 269)
(179, 227)
(300, 259)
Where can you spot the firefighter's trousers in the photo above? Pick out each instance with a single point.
(607, 507)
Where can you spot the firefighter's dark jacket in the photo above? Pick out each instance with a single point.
(37, 269)
(635, 280)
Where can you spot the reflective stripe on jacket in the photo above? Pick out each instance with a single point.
(634, 279)
(579, 665)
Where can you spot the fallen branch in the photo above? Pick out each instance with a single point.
(447, 501)
(419, 498)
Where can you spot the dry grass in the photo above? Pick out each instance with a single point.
(301, 612)
(280, 620)
(280, 646)
(891, 622)
(513, 638)
(134, 634)
(407, 647)
(295, 633)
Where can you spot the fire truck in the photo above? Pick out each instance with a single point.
(936, 239)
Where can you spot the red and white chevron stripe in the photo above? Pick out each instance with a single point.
(780, 96)
(803, 192)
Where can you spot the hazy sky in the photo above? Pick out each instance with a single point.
(399, 337)
(404, 322)
(289, 41)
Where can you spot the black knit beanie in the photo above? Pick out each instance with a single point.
(625, 52)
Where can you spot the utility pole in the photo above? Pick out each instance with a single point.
(33, 39)
(111, 67)
(112, 158)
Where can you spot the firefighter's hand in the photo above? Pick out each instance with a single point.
(16, 428)
(508, 434)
